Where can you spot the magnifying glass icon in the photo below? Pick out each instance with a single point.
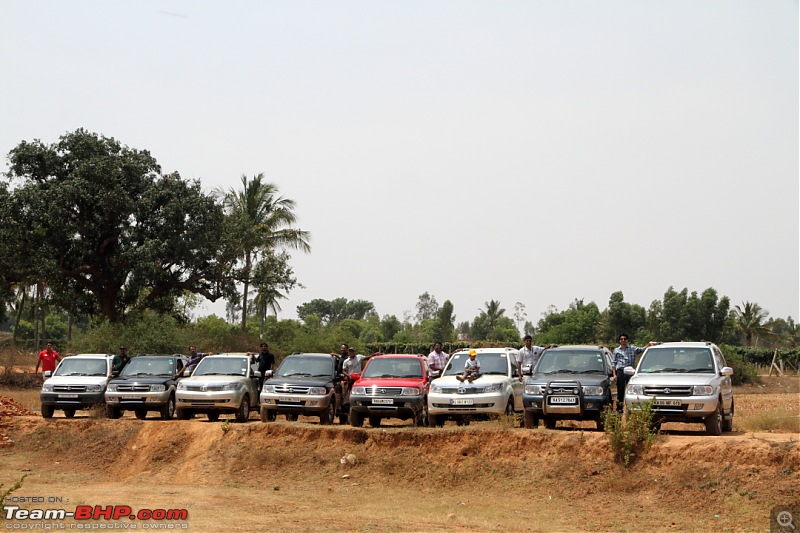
(784, 519)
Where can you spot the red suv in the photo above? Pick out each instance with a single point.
(391, 386)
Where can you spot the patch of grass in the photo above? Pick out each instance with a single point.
(780, 420)
(632, 435)
(28, 398)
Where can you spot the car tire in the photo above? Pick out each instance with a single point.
(213, 416)
(713, 421)
(47, 411)
(356, 419)
(549, 423)
(69, 413)
(326, 417)
(183, 414)
(291, 417)
(375, 421)
(141, 414)
(727, 423)
(168, 411)
(267, 415)
(243, 412)
(113, 412)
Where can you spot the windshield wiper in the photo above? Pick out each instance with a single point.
(321, 376)
(704, 370)
(494, 373)
(296, 374)
(140, 374)
(388, 376)
(593, 371)
(77, 374)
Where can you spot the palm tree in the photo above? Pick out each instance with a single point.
(262, 221)
(749, 320)
(493, 313)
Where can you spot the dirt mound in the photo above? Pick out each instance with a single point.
(9, 408)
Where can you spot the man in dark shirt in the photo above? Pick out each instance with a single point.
(266, 361)
(120, 360)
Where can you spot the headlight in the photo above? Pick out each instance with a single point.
(94, 388)
(269, 389)
(634, 389)
(359, 390)
(494, 387)
(112, 387)
(702, 390)
(436, 388)
(47, 387)
(410, 391)
(231, 386)
(182, 386)
(592, 391)
(317, 390)
(534, 389)
(158, 388)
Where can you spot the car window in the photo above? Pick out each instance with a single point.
(82, 367)
(393, 367)
(305, 367)
(491, 363)
(222, 366)
(682, 360)
(571, 361)
(149, 366)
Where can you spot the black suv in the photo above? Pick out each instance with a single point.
(304, 384)
(147, 383)
(569, 383)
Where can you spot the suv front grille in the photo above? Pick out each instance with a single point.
(204, 388)
(383, 391)
(69, 388)
(291, 389)
(680, 390)
(133, 388)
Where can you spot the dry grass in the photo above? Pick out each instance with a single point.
(782, 420)
(28, 398)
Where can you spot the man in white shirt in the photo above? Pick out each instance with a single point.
(528, 355)
(437, 359)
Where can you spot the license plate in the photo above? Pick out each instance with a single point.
(564, 399)
(383, 401)
(461, 401)
(67, 395)
(129, 398)
(668, 403)
(289, 399)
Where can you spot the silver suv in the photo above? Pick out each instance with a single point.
(687, 381)
(224, 383)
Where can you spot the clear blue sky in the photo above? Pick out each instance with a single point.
(532, 151)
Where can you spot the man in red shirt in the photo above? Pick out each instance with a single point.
(48, 359)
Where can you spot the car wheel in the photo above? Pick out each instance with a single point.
(69, 413)
(243, 412)
(291, 417)
(714, 421)
(356, 419)
(113, 412)
(265, 415)
(550, 423)
(375, 421)
(141, 414)
(727, 423)
(213, 416)
(326, 417)
(168, 411)
(421, 418)
(47, 411)
(184, 414)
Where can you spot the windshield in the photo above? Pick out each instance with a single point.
(82, 367)
(491, 363)
(571, 362)
(306, 367)
(393, 367)
(149, 366)
(681, 360)
(222, 366)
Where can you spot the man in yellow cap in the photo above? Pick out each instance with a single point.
(472, 368)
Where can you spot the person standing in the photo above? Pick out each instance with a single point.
(624, 355)
(528, 355)
(266, 361)
(351, 365)
(437, 359)
(48, 358)
(120, 360)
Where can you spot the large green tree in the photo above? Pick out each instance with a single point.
(107, 232)
(260, 220)
(750, 319)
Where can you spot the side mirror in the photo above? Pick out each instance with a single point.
(48, 373)
(187, 373)
(115, 373)
(629, 371)
(726, 371)
(257, 374)
(268, 374)
(355, 376)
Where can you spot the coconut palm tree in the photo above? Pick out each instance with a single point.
(749, 320)
(261, 221)
(493, 313)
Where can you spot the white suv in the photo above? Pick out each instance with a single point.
(687, 382)
(224, 383)
(497, 391)
(79, 382)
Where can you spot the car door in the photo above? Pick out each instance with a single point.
(609, 364)
(517, 386)
(725, 384)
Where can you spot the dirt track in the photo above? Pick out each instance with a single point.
(289, 477)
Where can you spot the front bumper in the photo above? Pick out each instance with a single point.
(690, 408)
(75, 400)
(301, 404)
(138, 400)
(226, 401)
(387, 406)
(590, 408)
(482, 403)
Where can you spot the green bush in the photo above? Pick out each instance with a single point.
(743, 371)
(631, 436)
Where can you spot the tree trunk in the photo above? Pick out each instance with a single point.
(248, 262)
